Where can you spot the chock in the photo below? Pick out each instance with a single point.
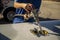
(43, 32)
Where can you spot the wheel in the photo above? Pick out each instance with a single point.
(9, 13)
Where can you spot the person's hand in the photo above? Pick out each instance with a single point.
(29, 7)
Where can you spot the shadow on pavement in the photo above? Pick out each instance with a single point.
(41, 19)
(3, 21)
(54, 34)
(52, 26)
(3, 37)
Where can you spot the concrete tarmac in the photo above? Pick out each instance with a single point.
(21, 31)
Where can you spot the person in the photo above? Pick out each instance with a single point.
(23, 6)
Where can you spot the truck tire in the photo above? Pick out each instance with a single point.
(8, 14)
